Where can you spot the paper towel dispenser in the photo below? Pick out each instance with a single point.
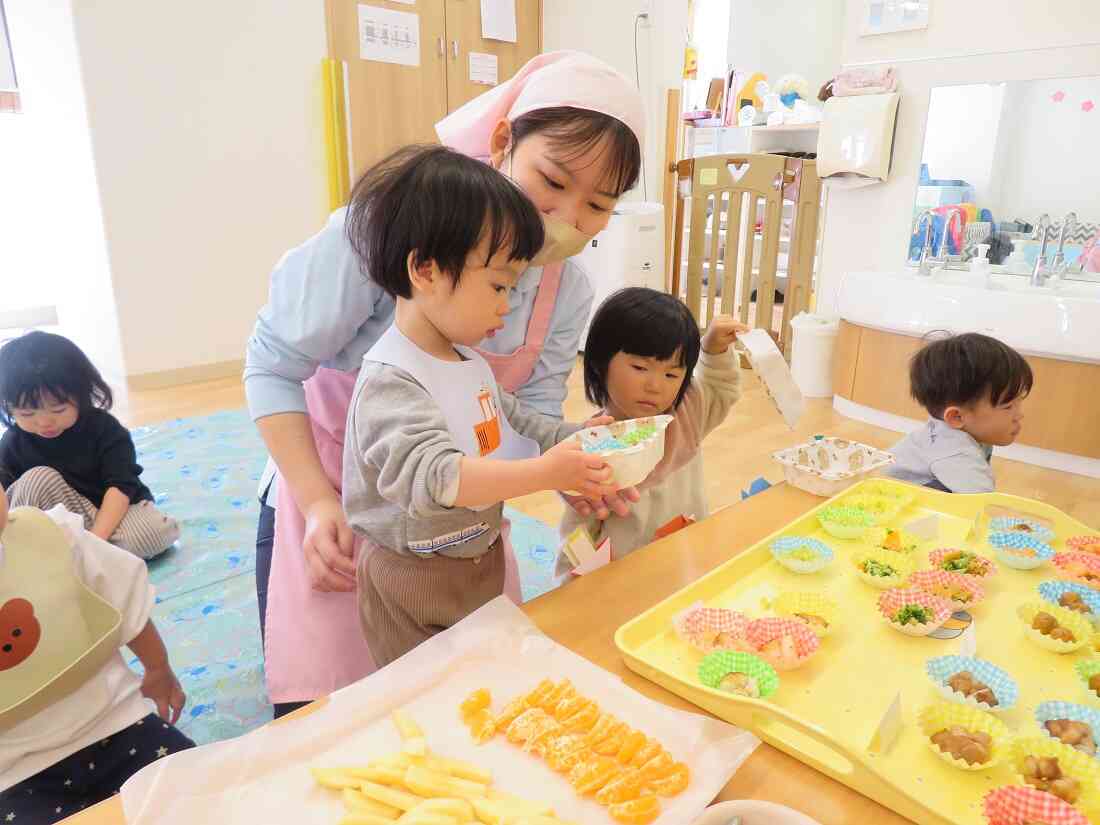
(856, 141)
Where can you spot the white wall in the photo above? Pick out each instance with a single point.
(605, 29)
(52, 246)
(866, 229)
(206, 125)
(781, 37)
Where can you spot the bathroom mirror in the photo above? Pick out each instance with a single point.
(997, 157)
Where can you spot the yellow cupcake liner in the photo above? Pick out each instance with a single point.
(880, 508)
(815, 604)
(934, 718)
(902, 497)
(875, 537)
(1077, 623)
(901, 562)
(1082, 767)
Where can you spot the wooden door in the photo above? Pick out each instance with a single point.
(464, 36)
(389, 105)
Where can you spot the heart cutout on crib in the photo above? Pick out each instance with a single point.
(738, 169)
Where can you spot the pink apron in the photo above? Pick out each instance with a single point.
(314, 644)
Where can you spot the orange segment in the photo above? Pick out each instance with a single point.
(632, 743)
(561, 690)
(525, 725)
(639, 811)
(478, 700)
(603, 728)
(583, 720)
(613, 743)
(537, 696)
(568, 706)
(646, 752)
(510, 712)
(658, 767)
(566, 764)
(556, 749)
(542, 730)
(589, 777)
(624, 787)
(482, 725)
(673, 783)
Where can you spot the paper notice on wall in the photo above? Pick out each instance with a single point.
(498, 20)
(483, 69)
(389, 36)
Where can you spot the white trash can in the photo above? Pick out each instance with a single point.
(812, 354)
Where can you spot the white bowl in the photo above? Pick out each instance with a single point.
(632, 464)
(753, 812)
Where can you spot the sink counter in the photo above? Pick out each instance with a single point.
(885, 316)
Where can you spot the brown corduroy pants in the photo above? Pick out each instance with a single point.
(405, 600)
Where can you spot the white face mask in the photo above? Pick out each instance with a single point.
(563, 240)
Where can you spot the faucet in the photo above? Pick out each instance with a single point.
(1058, 266)
(926, 257)
(1040, 273)
(955, 213)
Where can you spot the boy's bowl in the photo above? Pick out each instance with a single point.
(1020, 550)
(752, 812)
(827, 466)
(631, 448)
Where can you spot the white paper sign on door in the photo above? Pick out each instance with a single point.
(389, 36)
(498, 20)
(483, 69)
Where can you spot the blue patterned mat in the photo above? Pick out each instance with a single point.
(204, 472)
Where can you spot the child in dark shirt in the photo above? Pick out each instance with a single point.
(64, 447)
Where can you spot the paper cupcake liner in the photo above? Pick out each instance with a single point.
(1089, 544)
(903, 564)
(1004, 687)
(1021, 526)
(881, 509)
(844, 522)
(1078, 625)
(716, 666)
(900, 494)
(900, 541)
(783, 547)
(892, 601)
(1048, 711)
(1083, 568)
(814, 604)
(930, 580)
(1052, 591)
(936, 558)
(1019, 550)
(803, 641)
(1022, 804)
(934, 718)
(699, 626)
(1081, 767)
(1086, 669)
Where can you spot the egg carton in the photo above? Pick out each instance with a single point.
(827, 466)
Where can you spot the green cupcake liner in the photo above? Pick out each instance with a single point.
(716, 666)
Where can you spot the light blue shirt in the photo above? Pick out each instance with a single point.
(939, 452)
(322, 311)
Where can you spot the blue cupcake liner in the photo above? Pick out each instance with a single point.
(1068, 710)
(941, 668)
(782, 548)
(1005, 542)
(1008, 524)
(1052, 591)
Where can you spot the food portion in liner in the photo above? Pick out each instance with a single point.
(741, 684)
(967, 684)
(1044, 773)
(961, 561)
(1073, 733)
(814, 621)
(1073, 601)
(1049, 626)
(913, 614)
(874, 567)
(972, 747)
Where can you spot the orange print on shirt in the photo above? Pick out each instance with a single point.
(488, 431)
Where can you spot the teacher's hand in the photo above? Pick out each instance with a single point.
(329, 547)
(602, 508)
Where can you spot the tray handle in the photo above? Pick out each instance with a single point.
(811, 745)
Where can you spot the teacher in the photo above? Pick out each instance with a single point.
(568, 129)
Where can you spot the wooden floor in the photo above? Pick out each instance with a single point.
(734, 454)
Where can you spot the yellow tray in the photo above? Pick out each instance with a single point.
(826, 713)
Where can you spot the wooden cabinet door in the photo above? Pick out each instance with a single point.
(390, 105)
(464, 36)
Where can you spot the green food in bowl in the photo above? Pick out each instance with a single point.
(802, 554)
(846, 516)
(963, 563)
(873, 567)
(913, 614)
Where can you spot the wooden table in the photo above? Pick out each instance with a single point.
(584, 616)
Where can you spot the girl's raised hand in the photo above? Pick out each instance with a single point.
(721, 334)
(566, 466)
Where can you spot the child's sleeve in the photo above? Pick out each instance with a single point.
(120, 578)
(543, 429)
(719, 378)
(400, 431)
(967, 472)
(118, 458)
(10, 465)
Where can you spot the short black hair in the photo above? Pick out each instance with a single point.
(575, 131)
(959, 370)
(39, 364)
(439, 203)
(639, 321)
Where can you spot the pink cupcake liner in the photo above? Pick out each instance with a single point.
(928, 579)
(700, 626)
(1016, 805)
(892, 601)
